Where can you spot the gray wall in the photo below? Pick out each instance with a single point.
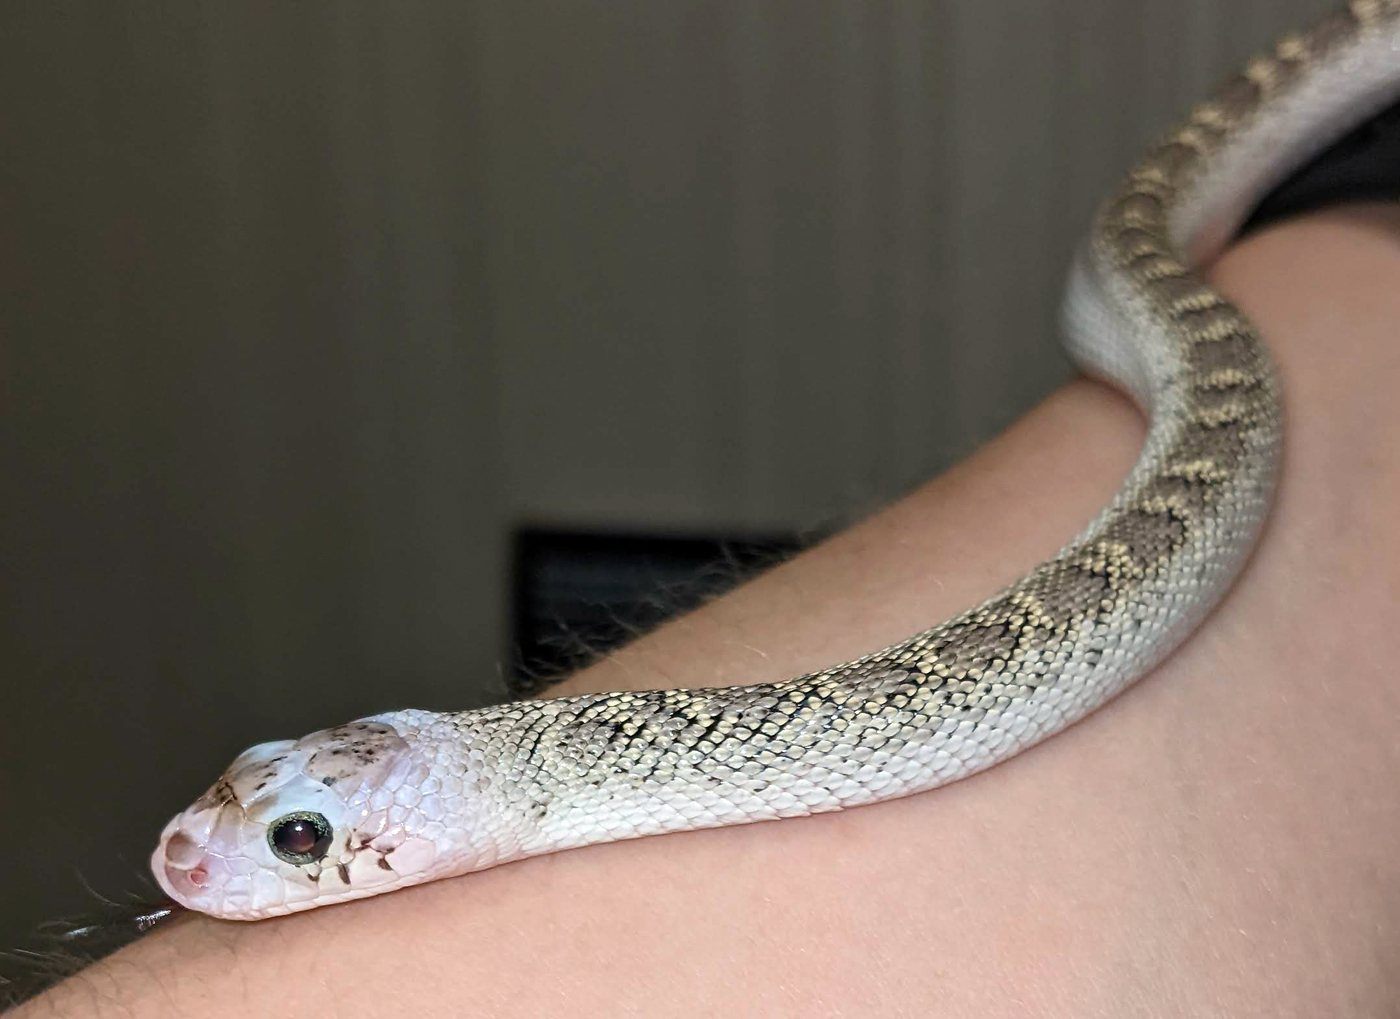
(307, 306)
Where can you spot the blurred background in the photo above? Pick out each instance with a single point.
(337, 338)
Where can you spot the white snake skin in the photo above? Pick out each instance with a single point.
(410, 796)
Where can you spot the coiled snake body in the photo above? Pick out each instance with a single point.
(411, 796)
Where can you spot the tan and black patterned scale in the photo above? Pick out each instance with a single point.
(847, 725)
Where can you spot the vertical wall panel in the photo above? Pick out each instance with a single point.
(903, 185)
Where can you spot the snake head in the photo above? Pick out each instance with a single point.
(301, 823)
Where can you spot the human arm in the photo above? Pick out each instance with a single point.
(1220, 840)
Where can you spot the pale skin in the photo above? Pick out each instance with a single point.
(1222, 840)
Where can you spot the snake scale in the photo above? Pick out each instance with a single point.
(410, 796)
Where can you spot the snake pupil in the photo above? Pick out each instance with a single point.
(300, 838)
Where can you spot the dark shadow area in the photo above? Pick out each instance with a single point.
(578, 596)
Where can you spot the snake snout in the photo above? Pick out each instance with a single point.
(188, 863)
(188, 869)
(183, 852)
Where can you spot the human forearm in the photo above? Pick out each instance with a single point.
(1218, 841)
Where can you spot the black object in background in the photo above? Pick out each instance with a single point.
(1361, 166)
(578, 596)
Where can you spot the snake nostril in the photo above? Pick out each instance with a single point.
(193, 878)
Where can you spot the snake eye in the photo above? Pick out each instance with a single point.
(300, 838)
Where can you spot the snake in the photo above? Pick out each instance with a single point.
(410, 796)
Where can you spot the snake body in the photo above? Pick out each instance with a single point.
(411, 796)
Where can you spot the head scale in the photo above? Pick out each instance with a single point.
(299, 823)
